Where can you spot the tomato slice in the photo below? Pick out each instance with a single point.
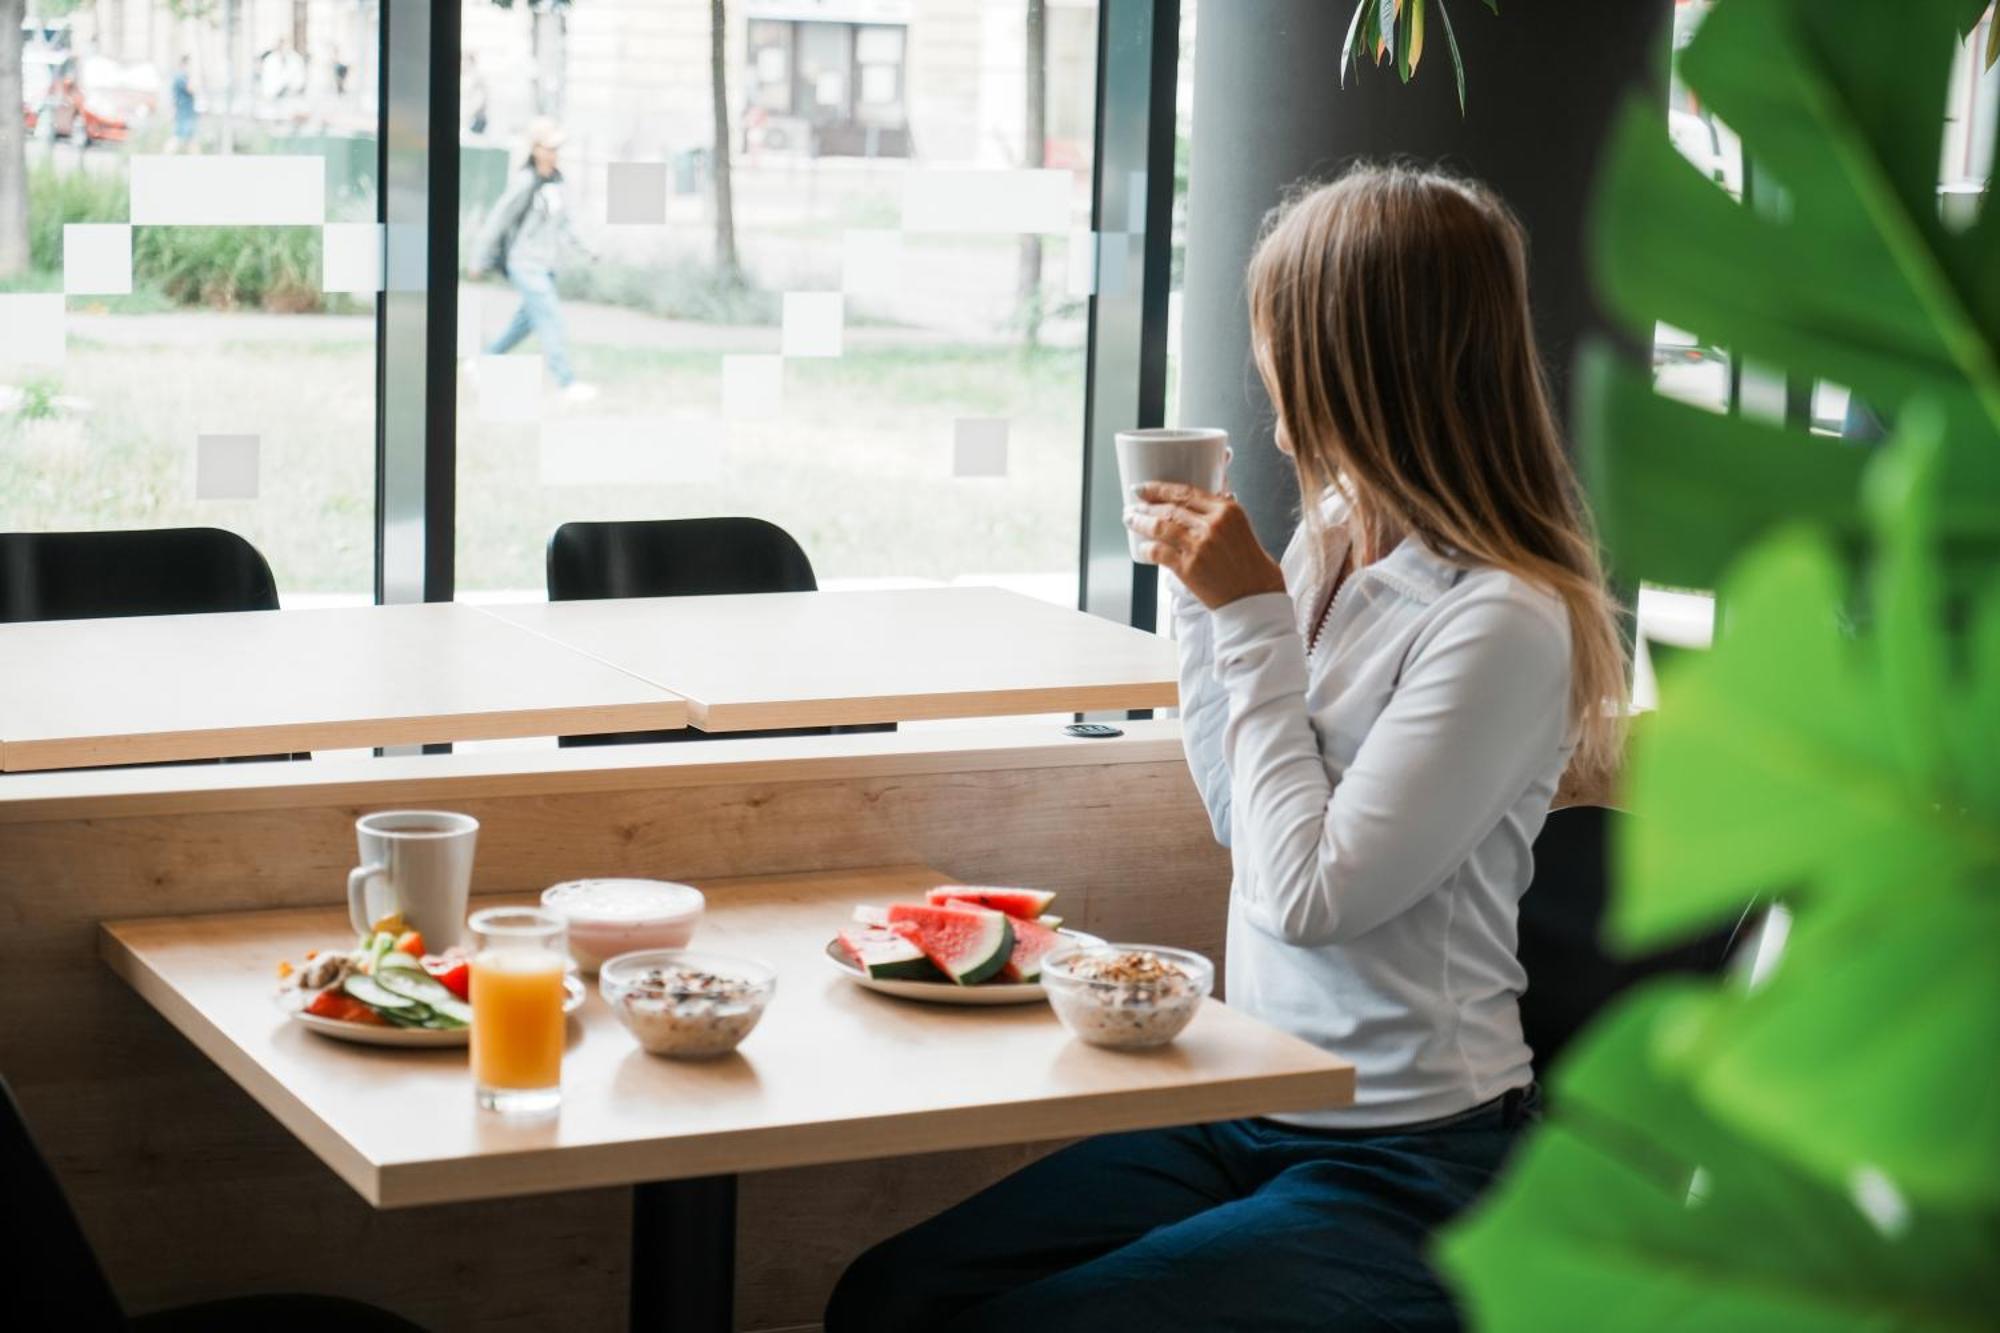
(343, 1008)
(454, 974)
(410, 942)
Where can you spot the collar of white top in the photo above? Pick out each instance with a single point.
(1412, 569)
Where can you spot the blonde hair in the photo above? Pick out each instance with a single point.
(1389, 310)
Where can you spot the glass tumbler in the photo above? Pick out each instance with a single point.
(517, 1009)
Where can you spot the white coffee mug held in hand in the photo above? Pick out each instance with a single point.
(415, 863)
(1195, 456)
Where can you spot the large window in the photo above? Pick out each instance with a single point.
(190, 337)
(857, 308)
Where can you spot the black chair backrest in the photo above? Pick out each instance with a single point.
(149, 572)
(49, 1277)
(675, 557)
(1571, 975)
(678, 557)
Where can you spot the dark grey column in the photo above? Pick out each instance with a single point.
(1542, 81)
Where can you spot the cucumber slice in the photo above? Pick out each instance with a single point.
(386, 1002)
(419, 985)
(397, 960)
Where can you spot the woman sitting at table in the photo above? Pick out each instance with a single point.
(1377, 725)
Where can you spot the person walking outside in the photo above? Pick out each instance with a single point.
(524, 239)
(184, 112)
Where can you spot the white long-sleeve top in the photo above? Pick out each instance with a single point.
(1380, 794)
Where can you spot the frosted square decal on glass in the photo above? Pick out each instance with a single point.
(31, 328)
(97, 258)
(406, 248)
(1135, 203)
(471, 314)
(979, 447)
(1082, 257)
(225, 467)
(871, 260)
(753, 387)
(631, 451)
(1116, 263)
(813, 323)
(510, 387)
(248, 191)
(1010, 202)
(635, 193)
(351, 258)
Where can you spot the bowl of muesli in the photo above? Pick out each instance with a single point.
(1126, 996)
(684, 1004)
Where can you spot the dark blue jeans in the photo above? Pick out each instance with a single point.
(1245, 1225)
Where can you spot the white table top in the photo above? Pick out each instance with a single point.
(841, 658)
(149, 688)
(833, 1073)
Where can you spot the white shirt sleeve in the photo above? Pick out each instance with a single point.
(1479, 710)
(1204, 704)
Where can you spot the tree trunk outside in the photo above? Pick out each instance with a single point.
(549, 30)
(13, 146)
(1034, 139)
(726, 264)
(233, 64)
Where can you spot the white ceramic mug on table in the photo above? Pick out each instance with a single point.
(1193, 456)
(417, 863)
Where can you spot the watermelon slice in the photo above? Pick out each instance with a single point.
(1025, 904)
(968, 944)
(887, 954)
(1033, 941)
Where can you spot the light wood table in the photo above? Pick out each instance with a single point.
(150, 688)
(808, 659)
(833, 1073)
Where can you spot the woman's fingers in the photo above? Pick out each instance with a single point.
(1178, 493)
(1169, 522)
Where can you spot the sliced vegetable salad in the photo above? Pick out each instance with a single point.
(386, 980)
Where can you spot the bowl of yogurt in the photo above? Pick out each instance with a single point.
(1126, 996)
(689, 1005)
(607, 917)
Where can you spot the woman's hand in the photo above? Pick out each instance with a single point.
(1206, 540)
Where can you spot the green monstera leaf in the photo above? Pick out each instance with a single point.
(1799, 756)
(1634, 1207)
(1851, 275)
(1861, 1058)
(1680, 492)
(1855, 771)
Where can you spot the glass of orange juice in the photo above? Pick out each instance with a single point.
(517, 1009)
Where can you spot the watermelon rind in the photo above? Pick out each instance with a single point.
(887, 955)
(1023, 904)
(968, 944)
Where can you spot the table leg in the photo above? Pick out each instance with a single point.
(684, 1256)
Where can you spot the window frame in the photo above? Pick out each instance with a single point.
(1125, 370)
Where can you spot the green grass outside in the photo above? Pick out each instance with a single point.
(858, 466)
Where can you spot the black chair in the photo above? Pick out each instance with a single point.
(679, 557)
(1571, 975)
(139, 572)
(152, 572)
(50, 1277)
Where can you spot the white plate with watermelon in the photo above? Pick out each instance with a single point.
(963, 944)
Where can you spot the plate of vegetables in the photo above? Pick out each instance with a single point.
(388, 991)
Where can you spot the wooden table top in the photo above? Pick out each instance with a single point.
(149, 688)
(839, 658)
(833, 1073)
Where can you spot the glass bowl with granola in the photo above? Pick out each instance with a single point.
(689, 1005)
(1126, 996)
